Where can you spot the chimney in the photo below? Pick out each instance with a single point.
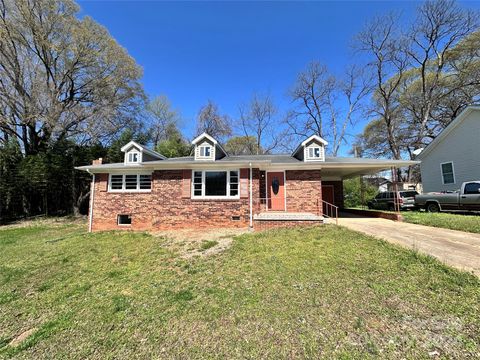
(97, 162)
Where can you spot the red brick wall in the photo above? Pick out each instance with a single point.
(164, 207)
(304, 191)
(337, 192)
(167, 207)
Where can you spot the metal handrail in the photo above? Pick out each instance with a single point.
(333, 212)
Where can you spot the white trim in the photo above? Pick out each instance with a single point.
(128, 145)
(284, 188)
(123, 189)
(453, 173)
(205, 197)
(204, 135)
(139, 157)
(314, 137)
(251, 194)
(306, 153)
(92, 196)
(204, 157)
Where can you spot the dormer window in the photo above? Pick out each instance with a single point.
(314, 152)
(133, 157)
(312, 149)
(207, 148)
(205, 151)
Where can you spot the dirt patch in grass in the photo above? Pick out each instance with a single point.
(45, 221)
(191, 243)
(20, 338)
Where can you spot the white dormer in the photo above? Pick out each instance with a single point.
(207, 148)
(136, 154)
(312, 149)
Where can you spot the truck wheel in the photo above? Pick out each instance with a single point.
(433, 208)
(391, 207)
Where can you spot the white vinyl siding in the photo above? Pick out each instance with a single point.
(130, 183)
(460, 146)
(215, 184)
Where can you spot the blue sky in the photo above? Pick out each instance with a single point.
(225, 51)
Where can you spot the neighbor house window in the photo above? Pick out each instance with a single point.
(215, 184)
(133, 157)
(130, 182)
(314, 152)
(448, 175)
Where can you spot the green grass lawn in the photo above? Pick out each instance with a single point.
(470, 223)
(304, 293)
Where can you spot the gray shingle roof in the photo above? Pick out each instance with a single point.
(286, 159)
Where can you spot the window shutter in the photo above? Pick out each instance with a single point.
(186, 186)
(244, 183)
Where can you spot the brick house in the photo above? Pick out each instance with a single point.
(213, 189)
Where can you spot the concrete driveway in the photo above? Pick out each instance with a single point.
(455, 248)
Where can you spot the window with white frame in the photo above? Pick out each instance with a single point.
(215, 184)
(314, 152)
(205, 151)
(448, 174)
(133, 157)
(130, 182)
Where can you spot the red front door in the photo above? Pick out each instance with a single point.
(276, 191)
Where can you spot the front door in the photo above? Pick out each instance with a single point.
(276, 191)
(328, 196)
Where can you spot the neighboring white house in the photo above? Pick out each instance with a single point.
(454, 156)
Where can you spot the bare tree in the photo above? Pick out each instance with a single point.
(162, 118)
(438, 29)
(382, 42)
(257, 120)
(61, 76)
(310, 94)
(327, 105)
(210, 120)
(350, 91)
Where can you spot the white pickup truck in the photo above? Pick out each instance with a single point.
(465, 199)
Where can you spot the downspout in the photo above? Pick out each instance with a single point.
(92, 195)
(251, 197)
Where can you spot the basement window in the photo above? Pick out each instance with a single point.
(124, 219)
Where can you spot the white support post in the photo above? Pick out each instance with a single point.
(92, 195)
(251, 197)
